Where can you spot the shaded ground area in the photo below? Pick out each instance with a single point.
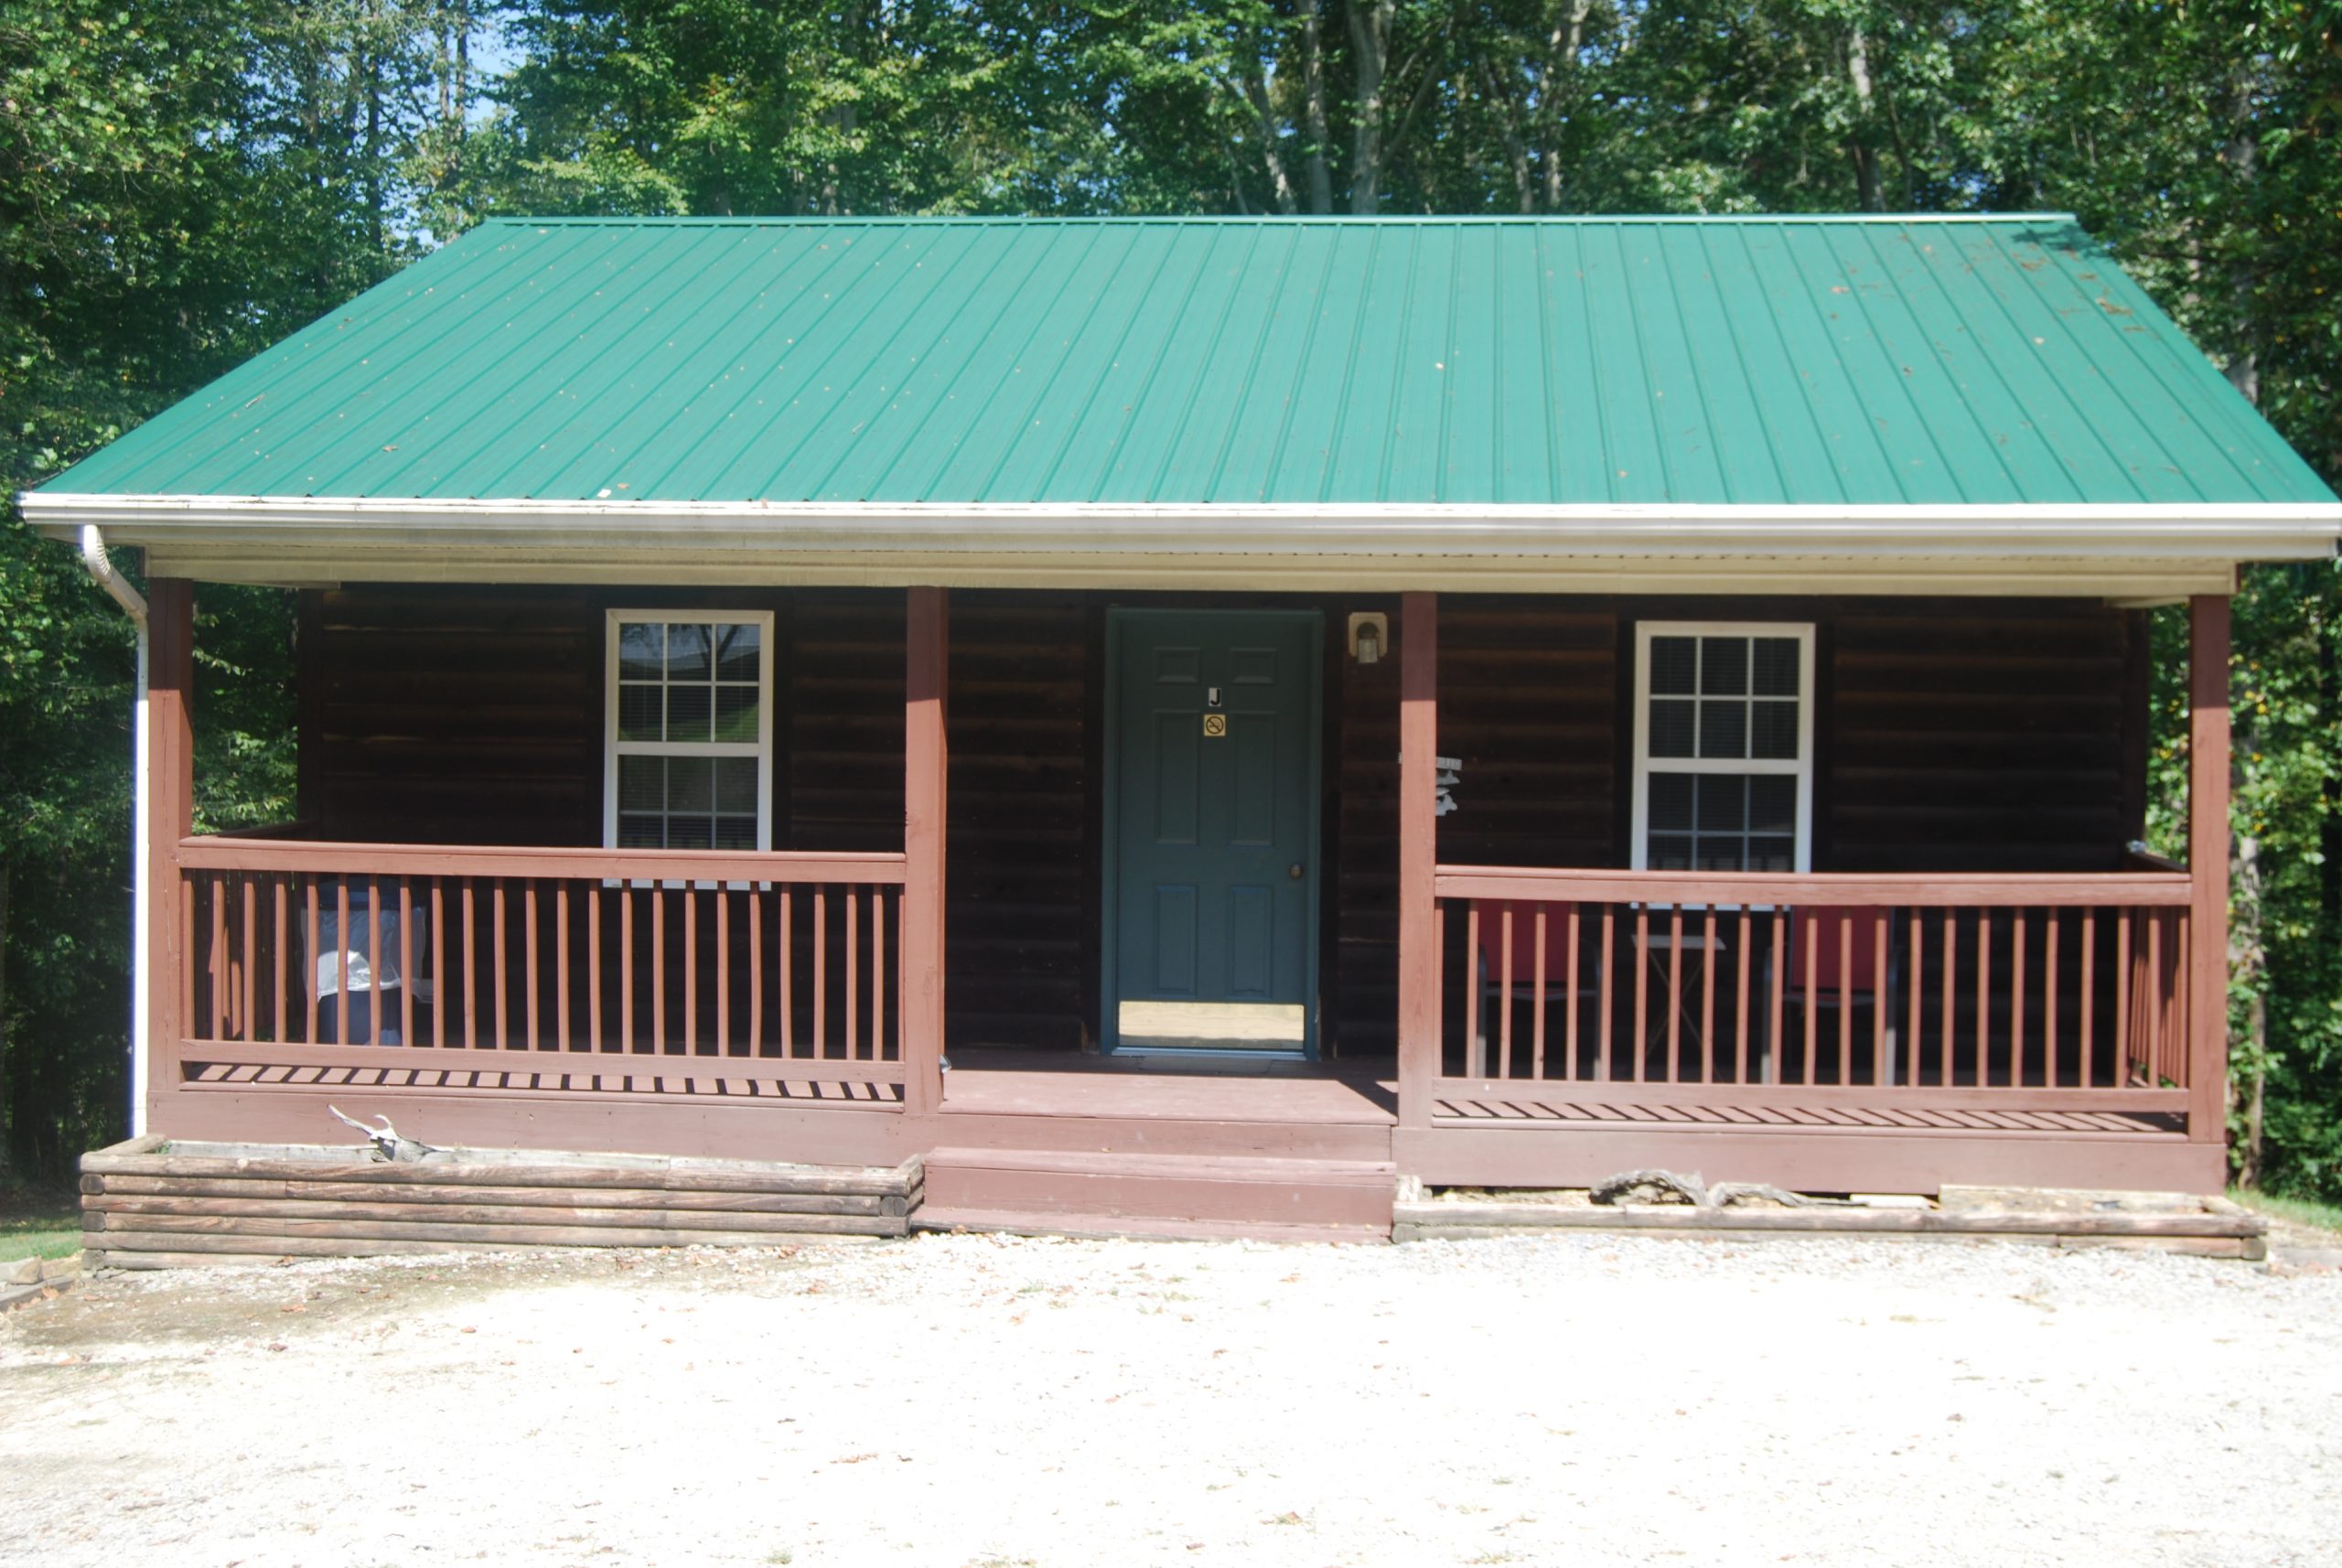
(982, 1400)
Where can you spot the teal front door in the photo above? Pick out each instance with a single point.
(1211, 863)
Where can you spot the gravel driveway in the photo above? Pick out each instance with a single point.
(968, 1400)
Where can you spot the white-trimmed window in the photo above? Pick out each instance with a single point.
(1724, 746)
(688, 759)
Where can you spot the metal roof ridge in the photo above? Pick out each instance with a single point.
(1396, 220)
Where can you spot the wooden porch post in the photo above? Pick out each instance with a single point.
(2207, 864)
(1419, 1044)
(926, 645)
(170, 817)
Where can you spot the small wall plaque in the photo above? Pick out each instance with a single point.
(1215, 725)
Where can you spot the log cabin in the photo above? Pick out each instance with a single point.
(1181, 724)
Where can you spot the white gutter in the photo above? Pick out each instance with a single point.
(2131, 530)
(101, 568)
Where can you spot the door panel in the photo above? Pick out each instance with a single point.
(1211, 780)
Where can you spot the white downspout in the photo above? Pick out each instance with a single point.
(101, 569)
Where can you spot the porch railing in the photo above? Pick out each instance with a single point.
(2055, 993)
(305, 955)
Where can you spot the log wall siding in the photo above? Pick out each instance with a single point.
(1953, 735)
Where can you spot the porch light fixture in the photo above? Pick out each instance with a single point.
(1370, 635)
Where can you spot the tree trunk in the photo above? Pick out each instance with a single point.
(1370, 45)
(5, 1138)
(1254, 93)
(1565, 49)
(1868, 187)
(1313, 99)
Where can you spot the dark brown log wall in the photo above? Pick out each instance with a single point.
(1952, 734)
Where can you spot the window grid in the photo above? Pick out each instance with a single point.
(688, 760)
(1723, 747)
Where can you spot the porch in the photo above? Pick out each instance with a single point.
(2052, 1022)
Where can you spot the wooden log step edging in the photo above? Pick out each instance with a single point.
(2237, 1235)
(147, 1204)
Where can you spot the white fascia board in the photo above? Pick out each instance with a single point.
(613, 528)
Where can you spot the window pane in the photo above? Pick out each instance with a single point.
(642, 783)
(736, 833)
(1719, 854)
(1674, 663)
(735, 713)
(687, 652)
(642, 650)
(1772, 855)
(1776, 666)
(689, 832)
(1670, 728)
(1723, 728)
(687, 713)
(1671, 852)
(638, 712)
(1773, 730)
(736, 784)
(641, 833)
(690, 784)
(1723, 666)
(1724, 804)
(1671, 803)
(735, 652)
(1772, 804)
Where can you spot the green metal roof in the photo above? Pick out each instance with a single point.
(1739, 361)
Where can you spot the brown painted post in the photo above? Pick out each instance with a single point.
(2207, 862)
(1419, 1042)
(170, 817)
(926, 763)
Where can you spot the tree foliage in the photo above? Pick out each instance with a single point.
(181, 184)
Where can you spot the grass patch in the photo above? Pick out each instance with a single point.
(2300, 1210)
(39, 1221)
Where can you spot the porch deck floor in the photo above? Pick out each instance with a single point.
(1053, 1084)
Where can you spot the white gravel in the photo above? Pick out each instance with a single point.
(987, 1400)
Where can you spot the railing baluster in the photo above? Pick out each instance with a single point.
(1707, 994)
(690, 896)
(1674, 999)
(1911, 985)
(467, 890)
(216, 958)
(1950, 1039)
(821, 969)
(561, 895)
(1882, 1064)
(1812, 945)
(2016, 998)
(341, 960)
(1569, 1029)
(2155, 1000)
(1740, 1020)
(658, 969)
(878, 974)
(848, 934)
(2090, 993)
(2125, 981)
(439, 989)
(1776, 966)
(2051, 919)
(628, 960)
(788, 1009)
(594, 967)
(1537, 993)
(276, 1022)
(755, 1041)
(187, 945)
(374, 1019)
(1641, 1042)
(1504, 991)
(1983, 998)
(533, 1030)
(499, 962)
(1607, 982)
(309, 957)
(723, 970)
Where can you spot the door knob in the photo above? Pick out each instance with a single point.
(1293, 871)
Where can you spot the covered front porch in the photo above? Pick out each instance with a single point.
(1951, 968)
